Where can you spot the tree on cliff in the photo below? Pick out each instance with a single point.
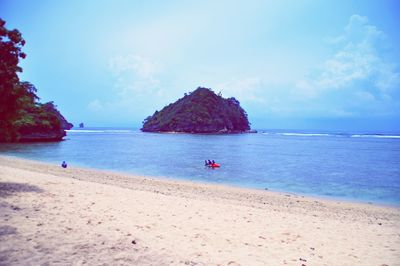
(11, 88)
(20, 113)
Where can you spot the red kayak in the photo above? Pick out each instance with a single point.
(214, 165)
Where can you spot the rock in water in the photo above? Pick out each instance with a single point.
(201, 111)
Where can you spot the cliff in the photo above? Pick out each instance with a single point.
(201, 111)
(45, 124)
(36, 122)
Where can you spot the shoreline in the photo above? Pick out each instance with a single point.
(83, 216)
(205, 183)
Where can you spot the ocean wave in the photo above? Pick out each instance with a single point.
(376, 136)
(307, 134)
(301, 134)
(294, 134)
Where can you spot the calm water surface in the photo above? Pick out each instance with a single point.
(360, 167)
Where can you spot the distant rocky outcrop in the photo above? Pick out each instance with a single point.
(201, 111)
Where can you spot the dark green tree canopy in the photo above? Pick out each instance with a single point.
(21, 116)
(201, 111)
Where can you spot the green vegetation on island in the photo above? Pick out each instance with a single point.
(201, 111)
(22, 117)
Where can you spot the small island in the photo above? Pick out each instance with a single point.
(200, 112)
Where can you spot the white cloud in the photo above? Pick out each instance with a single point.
(134, 74)
(95, 105)
(358, 70)
(141, 66)
(247, 89)
(135, 82)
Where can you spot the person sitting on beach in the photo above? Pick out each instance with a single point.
(64, 164)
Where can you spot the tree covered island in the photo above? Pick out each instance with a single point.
(22, 117)
(201, 111)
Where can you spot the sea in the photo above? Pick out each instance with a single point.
(353, 166)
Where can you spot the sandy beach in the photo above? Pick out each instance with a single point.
(74, 216)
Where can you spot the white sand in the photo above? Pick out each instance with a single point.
(50, 215)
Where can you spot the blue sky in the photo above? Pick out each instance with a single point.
(292, 64)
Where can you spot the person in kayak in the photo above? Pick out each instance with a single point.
(205, 163)
(209, 162)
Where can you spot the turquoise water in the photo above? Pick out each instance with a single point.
(361, 167)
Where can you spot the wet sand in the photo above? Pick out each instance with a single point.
(50, 215)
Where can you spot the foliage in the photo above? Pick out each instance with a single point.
(201, 111)
(20, 113)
